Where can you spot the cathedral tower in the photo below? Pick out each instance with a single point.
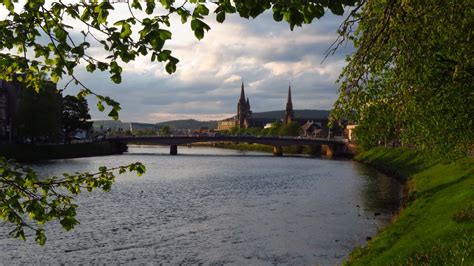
(289, 114)
(244, 114)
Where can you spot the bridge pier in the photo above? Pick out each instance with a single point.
(277, 151)
(173, 149)
(332, 150)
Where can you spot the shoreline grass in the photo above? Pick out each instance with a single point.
(436, 226)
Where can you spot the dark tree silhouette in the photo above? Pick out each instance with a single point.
(75, 116)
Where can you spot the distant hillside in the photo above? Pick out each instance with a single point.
(194, 124)
(310, 114)
(188, 124)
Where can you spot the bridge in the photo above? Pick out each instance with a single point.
(331, 146)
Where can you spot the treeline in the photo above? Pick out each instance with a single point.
(48, 117)
(411, 80)
(277, 129)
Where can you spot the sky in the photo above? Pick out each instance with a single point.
(260, 52)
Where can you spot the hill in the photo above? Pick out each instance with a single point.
(310, 114)
(272, 115)
(188, 124)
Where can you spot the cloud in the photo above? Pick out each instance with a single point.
(265, 54)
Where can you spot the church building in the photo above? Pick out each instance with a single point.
(245, 117)
(289, 113)
(244, 114)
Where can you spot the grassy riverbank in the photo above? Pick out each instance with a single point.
(436, 227)
(30, 153)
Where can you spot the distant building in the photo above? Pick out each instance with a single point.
(289, 114)
(9, 98)
(226, 124)
(245, 118)
(350, 132)
(244, 114)
(203, 130)
(312, 129)
(109, 126)
(268, 125)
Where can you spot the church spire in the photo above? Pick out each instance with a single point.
(289, 104)
(244, 114)
(242, 93)
(289, 114)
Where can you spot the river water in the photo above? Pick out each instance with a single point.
(216, 206)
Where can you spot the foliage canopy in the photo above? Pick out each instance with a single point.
(75, 116)
(39, 114)
(411, 79)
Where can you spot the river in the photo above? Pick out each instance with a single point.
(219, 206)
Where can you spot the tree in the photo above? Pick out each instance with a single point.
(75, 116)
(39, 114)
(291, 129)
(37, 40)
(233, 131)
(165, 130)
(275, 129)
(411, 78)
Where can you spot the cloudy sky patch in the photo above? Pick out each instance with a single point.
(263, 53)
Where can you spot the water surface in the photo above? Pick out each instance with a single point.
(219, 206)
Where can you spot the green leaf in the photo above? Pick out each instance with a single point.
(164, 55)
(336, 9)
(116, 78)
(68, 222)
(91, 67)
(100, 106)
(102, 66)
(220, 17)
(195, 24)
(164, 34)
(136, 4)
(170, 67)
(126, 31)
(150, 6)
(277, 15)
(40, 237)
(199, 33)
(114, 114)
(200, 10)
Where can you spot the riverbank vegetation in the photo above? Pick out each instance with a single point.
(436, 226)
(410, 81)
(277, 128)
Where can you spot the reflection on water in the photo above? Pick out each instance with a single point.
(217, 206)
